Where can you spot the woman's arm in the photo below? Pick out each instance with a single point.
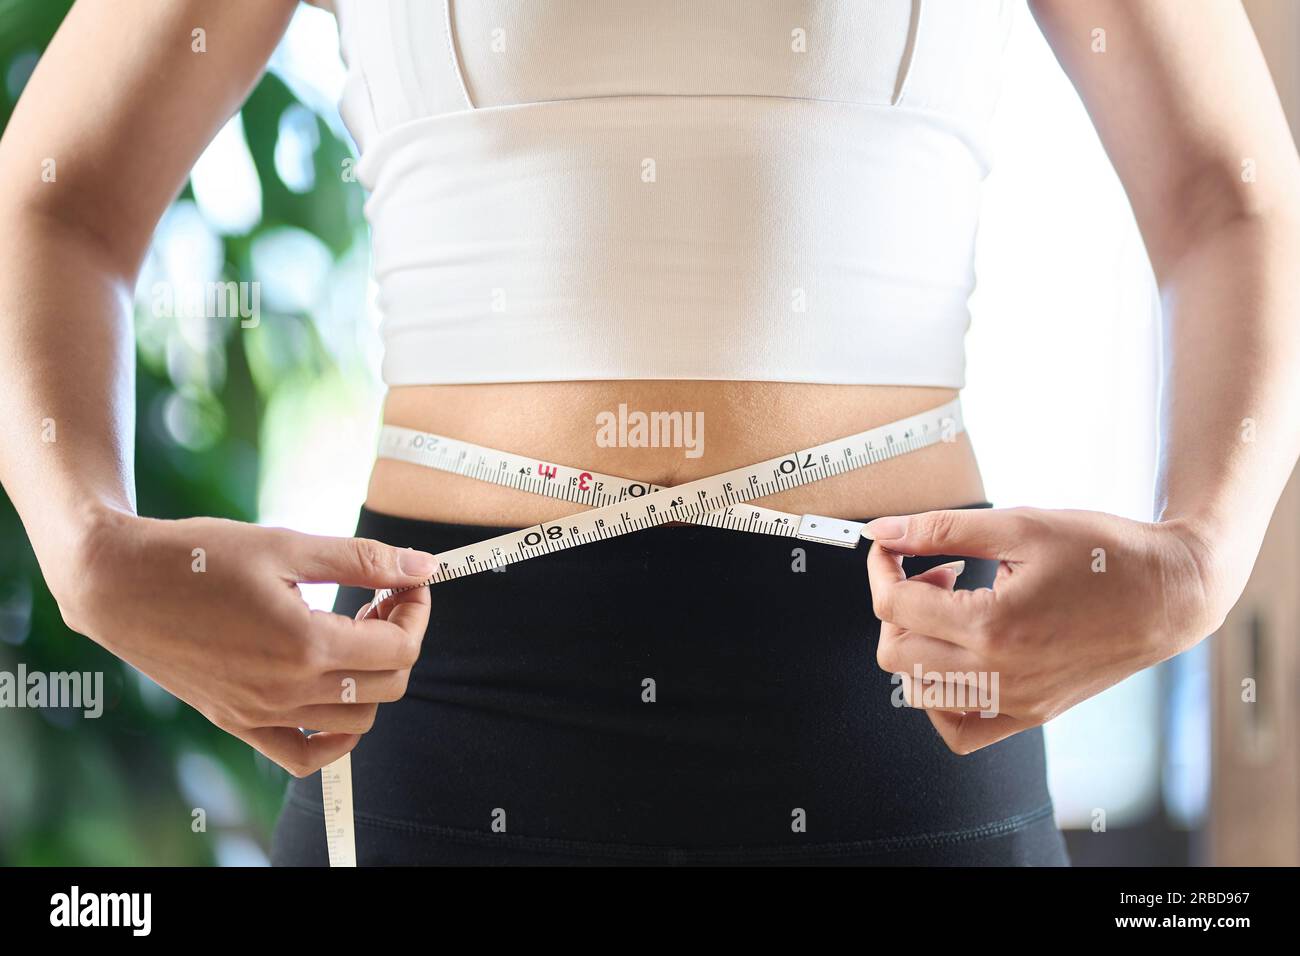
(116, 112)
(115, 115)
(1186, 109)
(1182, 99)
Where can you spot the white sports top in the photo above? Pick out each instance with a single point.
(771, 190)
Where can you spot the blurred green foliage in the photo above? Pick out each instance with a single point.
(122, 789)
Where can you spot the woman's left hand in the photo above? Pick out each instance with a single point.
(1081, 600)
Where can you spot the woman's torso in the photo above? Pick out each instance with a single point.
(758, 218)
(761, 215)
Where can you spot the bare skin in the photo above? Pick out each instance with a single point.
(1179, 103)
(743, 422)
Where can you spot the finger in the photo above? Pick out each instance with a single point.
(884, 567)
(295, 751)
(953, 692)
(941, 575)
(974, 532)
(359, 562)
(330, 718)
(409, 610)
(966, 733)
(367, 645)
(901, 651)
(378, 687)
(917, 605)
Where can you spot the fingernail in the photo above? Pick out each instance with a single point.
(957, 567)
(415, 563)
(885, 529)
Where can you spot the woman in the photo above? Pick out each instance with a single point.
(760, 219)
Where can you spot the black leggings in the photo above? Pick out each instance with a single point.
(681, 695)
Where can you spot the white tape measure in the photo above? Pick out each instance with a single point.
(620, 506)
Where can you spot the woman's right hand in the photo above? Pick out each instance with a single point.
(210, 609)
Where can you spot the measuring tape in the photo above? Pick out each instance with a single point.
(619, 506)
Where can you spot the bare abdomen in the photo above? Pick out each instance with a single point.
(717, 426)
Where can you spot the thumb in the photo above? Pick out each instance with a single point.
(981, 533)
(359, 562)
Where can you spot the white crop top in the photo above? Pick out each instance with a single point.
(771, 190)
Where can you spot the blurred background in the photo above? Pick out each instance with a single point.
(276, 423)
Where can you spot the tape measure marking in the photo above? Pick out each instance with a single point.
(613, 500)
(563, 482)
(688, 502)
(336, 796)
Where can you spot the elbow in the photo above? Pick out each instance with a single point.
(1249, 207)
(80, 238)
